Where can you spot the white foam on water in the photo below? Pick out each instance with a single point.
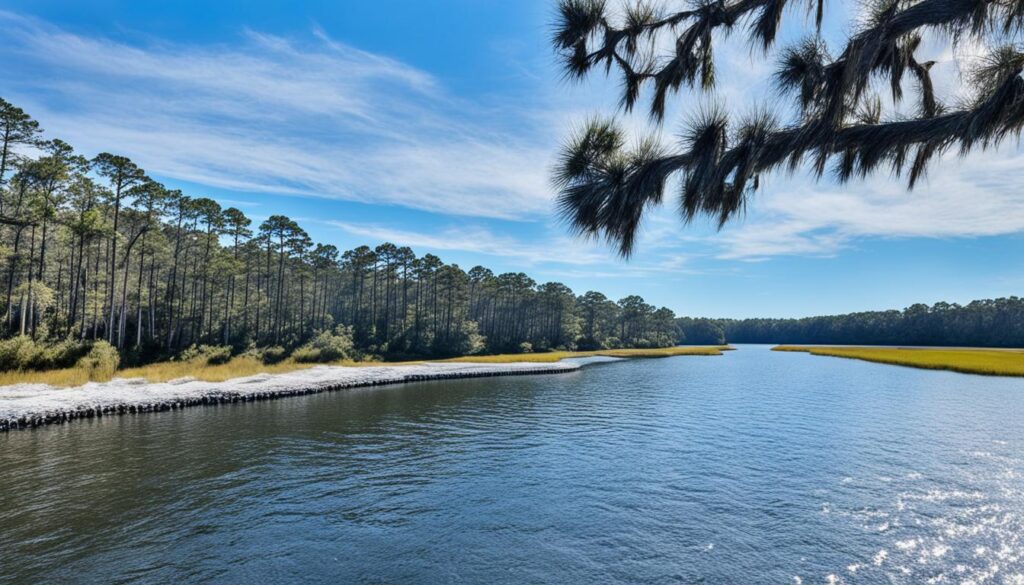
(880, 557)
(939, 550)
(909, 544)
(962, 525)
(936, 495)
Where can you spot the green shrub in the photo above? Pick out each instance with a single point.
(188, 354)
(526, 347)
(21, 353)
(101, 361)
(326, 347)
(16, 352)
(211, 354)
(273, 355)
(220, 354)
(64, 354)
(306, 355)
(267, 355)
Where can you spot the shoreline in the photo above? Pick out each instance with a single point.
(27, 406)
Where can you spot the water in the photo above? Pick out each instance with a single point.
(752, 467)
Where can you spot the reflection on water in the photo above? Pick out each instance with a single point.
(755, 466)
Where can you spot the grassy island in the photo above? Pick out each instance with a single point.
(989, 362)
(554, 356)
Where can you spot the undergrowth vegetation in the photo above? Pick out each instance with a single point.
(327, 347)
(65, 362)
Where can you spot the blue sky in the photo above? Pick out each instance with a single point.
(434, 124)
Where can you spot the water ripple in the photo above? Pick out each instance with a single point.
(752, 467)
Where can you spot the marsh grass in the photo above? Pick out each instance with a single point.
(60, 378)
(988, 362)
(241, 366)
(554, 356)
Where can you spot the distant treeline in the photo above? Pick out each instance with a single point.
(984, 323)
(93, 249)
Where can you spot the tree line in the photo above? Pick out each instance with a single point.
(94, 249)
(981, 323)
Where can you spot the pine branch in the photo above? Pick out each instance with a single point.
(605, 190)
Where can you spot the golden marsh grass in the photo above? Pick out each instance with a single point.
(554, 356)
(989, 362)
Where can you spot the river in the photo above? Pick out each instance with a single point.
(751, 467)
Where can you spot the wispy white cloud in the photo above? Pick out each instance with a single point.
(554, 257)
(311, 117)
(479, 240)
(317, 117)
(963, 197)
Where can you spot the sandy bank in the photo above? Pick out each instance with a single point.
(32, 405)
